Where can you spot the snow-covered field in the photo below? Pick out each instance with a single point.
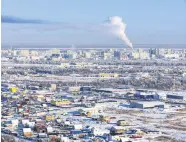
(167, 122)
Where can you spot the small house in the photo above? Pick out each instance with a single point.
(117, 130)
(122, 123)
(27, 132)
(49, 117)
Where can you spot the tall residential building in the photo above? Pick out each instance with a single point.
(184, 52)
(169, 51)
(117, 54)
(34, 53)
(55, 51)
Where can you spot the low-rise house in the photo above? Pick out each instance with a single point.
(27, 132)
(148, 131)
(122, 123)
(78, 126)
(61, 102)
(15, 123)
(31, 124)
(117, 130)
(42, 135)
(49, 129)
(25, 121)
(76, 133)
(98, 132)
(135, 131)
(49, 117)
(40, 126)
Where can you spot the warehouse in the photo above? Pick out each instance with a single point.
(147, 96)
(116, 90)
(176, 96)
(145, 104)
(108, 75)
(85, 88)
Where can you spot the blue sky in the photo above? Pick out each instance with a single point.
(148, 21)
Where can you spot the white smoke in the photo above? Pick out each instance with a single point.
(117, 27)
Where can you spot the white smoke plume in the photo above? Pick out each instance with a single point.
(114, 25)
(117, 27)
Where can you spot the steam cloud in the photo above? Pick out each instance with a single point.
(117, 27)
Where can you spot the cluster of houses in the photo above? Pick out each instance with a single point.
(72, 115)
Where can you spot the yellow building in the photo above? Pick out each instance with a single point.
(139, 132)
(60, 102)
(13, 89)
(49, 118)
(74, 89)
(27, 132)
(122, 123)
(108, 75)
(135, 55)
(24, 53)
(89, 114)
(40, 97)
(106, 119)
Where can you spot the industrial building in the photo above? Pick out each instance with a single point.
(108, 75)
(147, 95)
(85, 88)
(176, 96)
(116, 90)
(147, 104)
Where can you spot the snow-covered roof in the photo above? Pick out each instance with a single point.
(177, 93)
(115, 90)
(43, 92)
(149, 103)
(146, 94)
(24, 121)
(27, 130)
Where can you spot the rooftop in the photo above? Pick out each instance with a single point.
(150, 102)
(177, 93)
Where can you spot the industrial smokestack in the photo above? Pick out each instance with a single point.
(117, 27)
